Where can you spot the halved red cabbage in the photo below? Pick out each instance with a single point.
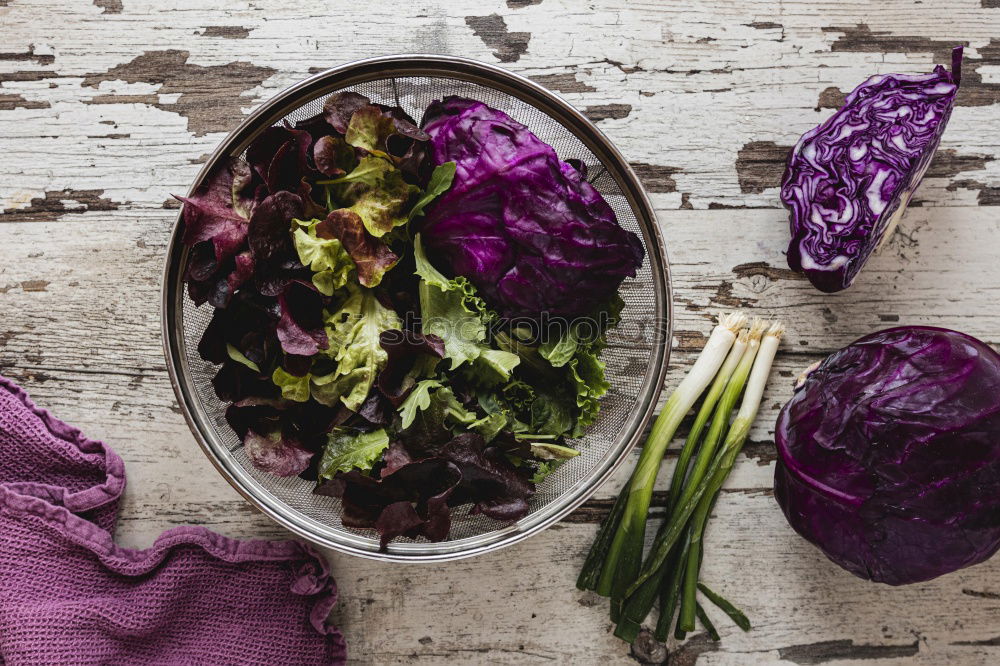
(849, 180)
(524, 227)
(889, 455)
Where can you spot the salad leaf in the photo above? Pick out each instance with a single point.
(333, 157)
(326, 257)
(348, 449)
(369, 172)
(548, 451)
(371, 257)
(552, 414)
(292, 387)
(495, 486)
(490, 425)
(239, 357)
(559, 351)
(451, 310)
(269, 225)
(300, 329)
(368, 129)
(542, 471)
(411, 356)
(219, 209)
(354, 332)
(276, 453)
(339, 107)
(419, 399)
(380, 207)
(587, 373)
(441, 179)
(280, 157)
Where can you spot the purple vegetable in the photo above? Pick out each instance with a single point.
(524, 227)
(849, 180)
(889, 455)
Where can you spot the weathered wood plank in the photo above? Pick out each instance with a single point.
(106, 108)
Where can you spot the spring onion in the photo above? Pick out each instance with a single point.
(736, 361)
(624, 555)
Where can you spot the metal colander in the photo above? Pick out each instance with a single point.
(636, 355)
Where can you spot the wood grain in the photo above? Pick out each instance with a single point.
(107, 108)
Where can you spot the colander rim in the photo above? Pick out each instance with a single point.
(471, 71)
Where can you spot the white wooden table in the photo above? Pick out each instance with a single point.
(108, 108)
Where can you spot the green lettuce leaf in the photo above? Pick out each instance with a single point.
(370, 255)
(368, 129)
(552, 414)
(292, 387)
(560, 350)
(240, 357)
(418, 400)
(354, 331)
(440, 181)
(326, 257)
(451, 310)
(587, 375)
(548, 451)
(381, 207)
(490, 425)
(543, 470)
(437, 405)
(369, 172)
(348, 449)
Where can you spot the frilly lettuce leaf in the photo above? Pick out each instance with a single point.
(353, 332)
(451, 310)
(587, 373)
(333, 156)
(326, 257)
(412, 356)
(370, 171)
(348, 449)
(292, 387)
(369, 128)
(371, 256)
(381, 207)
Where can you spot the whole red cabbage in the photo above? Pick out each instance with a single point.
(849, 180)
(529, 232)
(889, 455)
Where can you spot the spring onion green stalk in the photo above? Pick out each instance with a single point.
(722, 464)
(624, 556)
(734, 613)
(705, 622)
(671, 592)
(591, 571)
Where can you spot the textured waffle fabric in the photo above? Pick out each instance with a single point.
(69, 595)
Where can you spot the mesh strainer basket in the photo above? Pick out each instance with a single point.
(636, 355)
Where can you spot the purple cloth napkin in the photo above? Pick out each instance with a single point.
(69, 595)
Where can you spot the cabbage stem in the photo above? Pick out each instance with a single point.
(624, 556)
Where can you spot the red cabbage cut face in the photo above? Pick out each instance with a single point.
(849, 180)
(529, 232)
(889, 455)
